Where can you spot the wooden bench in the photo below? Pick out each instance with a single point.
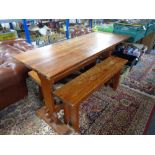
(75, 91)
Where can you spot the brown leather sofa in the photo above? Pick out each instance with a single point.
(13, 73)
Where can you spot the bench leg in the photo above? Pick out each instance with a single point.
(115, 81)
(75, 118)
(66, 113)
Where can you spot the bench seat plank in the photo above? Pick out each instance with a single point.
(81, 87)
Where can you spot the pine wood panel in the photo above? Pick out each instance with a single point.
(55, 59)
(78, 89)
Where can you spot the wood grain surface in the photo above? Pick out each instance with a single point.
(35, 77)
(79, 88)
(55, 59)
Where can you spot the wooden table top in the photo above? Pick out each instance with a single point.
(54, 59)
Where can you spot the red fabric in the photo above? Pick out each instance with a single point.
(149, 120)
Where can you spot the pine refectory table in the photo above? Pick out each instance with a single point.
(53, 62)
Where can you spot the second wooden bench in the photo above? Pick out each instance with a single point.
(75, 91)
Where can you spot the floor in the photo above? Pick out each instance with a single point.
(20, 118)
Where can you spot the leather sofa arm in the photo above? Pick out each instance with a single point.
(11, 72)
(11, 42)
(23, 46)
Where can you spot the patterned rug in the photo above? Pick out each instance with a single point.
(142, 76)
(105, 112)
(20, 118)
(118, 112)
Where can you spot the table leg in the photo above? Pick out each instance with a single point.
(66, 113)
(48, 112)
(40, 93)
(48, 98)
